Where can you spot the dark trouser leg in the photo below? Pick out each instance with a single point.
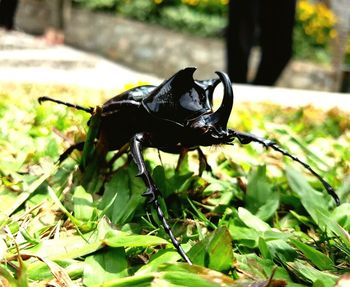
(240, 36)
(7, 13)
(276, 37)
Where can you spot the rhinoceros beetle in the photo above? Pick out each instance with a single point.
(176, 116)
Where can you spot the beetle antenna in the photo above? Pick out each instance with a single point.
(44, 99)
(246, 138)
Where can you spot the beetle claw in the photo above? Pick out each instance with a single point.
(267, 143)
(150, 194)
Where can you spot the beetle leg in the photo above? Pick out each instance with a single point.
(203, 162)
(78, 146)
(44, 99)
(182, 154)
(136, 151)
(137, 143)
(246, 138)
(118, 154)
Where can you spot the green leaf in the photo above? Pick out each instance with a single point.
(214, 251)
(265, 252)
(320, 260)
(313, 201)
(260, 268)
(7, 278)
(131, 281)
(260, 199)
(301, 218)
(83, 204)
(182, 274)
(129, 197)
(200, 215)
(332, 226)
(58, 272)
(92, 134)
(105, 266)
(252, 221)
(341, 215)
(344, 190)
(66, 248)
(38, 270)
(21, 274)
(244, 236)
(27, 192)
(161, 257)
(81, 226)
(310, 274)
(267, 210)
(170, 182)
(116, 238)
(72, 246)
(280, 249)
(185, 279)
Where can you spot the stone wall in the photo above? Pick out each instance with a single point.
(32, 16)
(153, 49)
(148, 48)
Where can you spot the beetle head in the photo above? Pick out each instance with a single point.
(179, 98)
(212, 126)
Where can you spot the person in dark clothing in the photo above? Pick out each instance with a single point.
(273, 22)
(7, 13)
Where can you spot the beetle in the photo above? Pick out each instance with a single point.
(175, 117)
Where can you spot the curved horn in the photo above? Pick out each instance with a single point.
(222, 115)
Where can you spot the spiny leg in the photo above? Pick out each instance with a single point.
(45, 99)
(137, 143)
(246, 138)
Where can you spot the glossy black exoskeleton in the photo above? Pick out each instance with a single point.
(175, 117)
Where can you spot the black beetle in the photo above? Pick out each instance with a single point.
(174, 117)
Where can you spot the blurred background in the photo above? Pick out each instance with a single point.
(159, 37)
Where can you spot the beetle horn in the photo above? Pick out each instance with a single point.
(222, 115)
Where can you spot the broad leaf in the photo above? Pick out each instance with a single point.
(320, 260)
(252, 221)
(116, 238)
(105, 266)
(260, 198)
(214, 251)
(83, 204)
